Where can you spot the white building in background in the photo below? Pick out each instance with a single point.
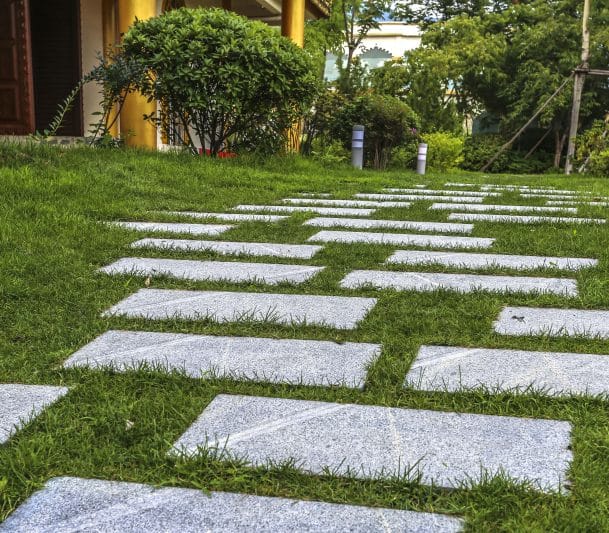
(390, 41)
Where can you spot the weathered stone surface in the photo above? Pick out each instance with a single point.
(232, 271)
(339, 312)
(431, 281)
(488, 207)
(20, 403)
(374, 441)
(582, 203)
(366, 223)
(442, 192)
(345, 203)
(68, 504)
(553, 322)
(176, 227)
(549, 194)
(292, 361)
(469, 260)
(452, 368)
(424, 197)
(229, 217)
(402, 239)
(522, 219)
(270, 249)
(330, 211)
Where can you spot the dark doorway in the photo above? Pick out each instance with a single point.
(55, 31)
(16, 106)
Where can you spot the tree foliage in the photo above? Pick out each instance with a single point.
(220, 74)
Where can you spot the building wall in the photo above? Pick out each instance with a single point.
(92, 44)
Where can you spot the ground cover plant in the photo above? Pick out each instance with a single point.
(120, 426)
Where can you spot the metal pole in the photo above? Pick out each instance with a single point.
(357, 146)
(578, 87)
(422, 159)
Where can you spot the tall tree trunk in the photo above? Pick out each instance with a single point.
(559, 145)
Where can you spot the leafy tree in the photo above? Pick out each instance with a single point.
(221, 75)
(426, 12)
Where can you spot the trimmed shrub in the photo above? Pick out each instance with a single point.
(221, 75)
(444, 151)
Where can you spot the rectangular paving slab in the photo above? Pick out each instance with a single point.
(366, 223)
(305, 362)
(402, 239)
(21, 403)
(231, 271)
(424, 197)
(345, 203)
(69, 504)
(454, 368)
(522, 219)
(469, 260)
(176, 227)
(553, 322)
(341, 312)
(581, 203)
(431, 281)
(229, 217)
(366, 441)
(271, 249)
(488, 207)
(444, 192)
(330, 211)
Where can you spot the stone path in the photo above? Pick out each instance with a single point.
(68, 504)
(330, 211)
(20, 403)
(424, 197)
(470, 260)
(402, 239)
(223, 306)
(366, 223)
(371, 441)
(582, 203)
(270, 249)
(176, 227)
(229, 271)
(444, 192)
(522, 219)
(229, 217)
(292, 361)
(453, 368)
(553, 322)
(488, 207)
(346, 203)
(431, 281)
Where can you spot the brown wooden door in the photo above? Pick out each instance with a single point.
(16, 91)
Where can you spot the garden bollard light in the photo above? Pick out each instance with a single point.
(422, 158)
(357, 146)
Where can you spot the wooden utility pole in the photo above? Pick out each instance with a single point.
(578, 87)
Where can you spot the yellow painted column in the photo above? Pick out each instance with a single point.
(292, 26)
(135, 130)
(110, 39)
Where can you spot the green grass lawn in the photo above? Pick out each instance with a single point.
(52, 241)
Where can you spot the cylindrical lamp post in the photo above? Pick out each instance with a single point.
(357, 146)
(422, 158)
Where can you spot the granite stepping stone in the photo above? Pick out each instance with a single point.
(582, 203)
(469, 260)
(522, 219)
(366, 223)
(422, 197)
(402, 239)
(444, 192)
(270, 249)
(368, 441)
(176, 227)
(488, 207)
(305, 362)
(528, 189)
(345, 203)
(553, 322)
(21, 403)
(315, 194)
(230, 271)
(340, 312)
(329, 211)
(70, 504)
(431, 281)
(550, 194)
(229, 217)
(453, 368)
